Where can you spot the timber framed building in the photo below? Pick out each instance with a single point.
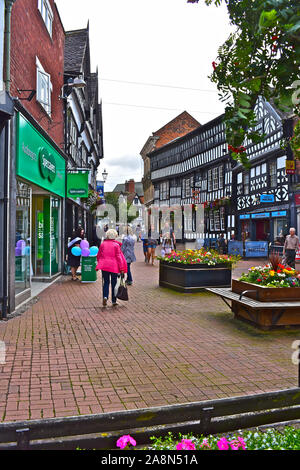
(198, 169)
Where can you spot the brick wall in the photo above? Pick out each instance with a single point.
(30, 39)
(178, 127)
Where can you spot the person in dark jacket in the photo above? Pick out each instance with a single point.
(74, 261)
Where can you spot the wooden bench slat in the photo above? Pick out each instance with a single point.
(228, 294)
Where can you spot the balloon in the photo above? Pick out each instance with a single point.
(94, 251)
(85, 252)
(18, 251)
(76, 251)
(84, 244)
(27, 250)
(21, 244)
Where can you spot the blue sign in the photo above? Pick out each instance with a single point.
(100, 188)
(261, 215)
(245, 216)
(267, 198)
(256, 249)
(278, 214)
(235, 247)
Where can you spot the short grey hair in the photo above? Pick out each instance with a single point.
(111, 234)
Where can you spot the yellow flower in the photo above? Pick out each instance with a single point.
(272, 273)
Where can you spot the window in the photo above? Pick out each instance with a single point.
(246, 183)
(164, 190)
(84, 155)
(221, 177)
(217, 220)
(209, 180)
(43, 87)
(215, 178)
(47, 14)
(273, 174)
(239, 178)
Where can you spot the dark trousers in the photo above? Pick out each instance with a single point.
(290, 256)
(107, 279)
(129, 275)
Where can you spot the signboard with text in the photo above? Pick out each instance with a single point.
(290, 167)
(78, 184)
(256, 249)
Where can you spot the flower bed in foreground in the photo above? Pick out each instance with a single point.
(271, 439)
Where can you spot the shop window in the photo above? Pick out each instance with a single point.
(22, 247)
(43, 87)
(47, 14)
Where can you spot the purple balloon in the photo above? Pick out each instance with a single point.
(21, 244)
(84, 244)
(85, 252)
(18, 251)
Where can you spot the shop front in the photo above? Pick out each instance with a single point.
(40, 175)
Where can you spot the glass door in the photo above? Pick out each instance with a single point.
(41, 235)
(55, 235)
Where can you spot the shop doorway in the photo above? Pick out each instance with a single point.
(262, 230)
(46, 236)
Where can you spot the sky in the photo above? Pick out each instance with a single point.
(153, 58)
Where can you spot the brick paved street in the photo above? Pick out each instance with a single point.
(67, 356)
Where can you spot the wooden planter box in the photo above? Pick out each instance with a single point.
(266, 294)
(190, 278)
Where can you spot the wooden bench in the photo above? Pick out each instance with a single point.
(101, 431)
(265, 315)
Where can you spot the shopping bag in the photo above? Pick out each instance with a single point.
(117, 285)
(122, 291)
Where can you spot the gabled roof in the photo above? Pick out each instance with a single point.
(76, 44)
(138, 189)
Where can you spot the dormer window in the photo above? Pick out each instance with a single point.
(47, 14)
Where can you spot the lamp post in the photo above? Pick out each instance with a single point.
(104, 175)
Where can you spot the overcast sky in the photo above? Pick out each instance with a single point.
(148, 42)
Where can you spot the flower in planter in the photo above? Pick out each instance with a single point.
(185, 444)
(126, 440)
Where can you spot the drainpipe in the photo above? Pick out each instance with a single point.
(4, 307)
(7, 30)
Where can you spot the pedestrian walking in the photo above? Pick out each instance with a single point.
(221, 243)
(167, 244)
(151, 246)
(144, 239)
(291, 246)
(72, 260)
(111, 261)
(128, 252)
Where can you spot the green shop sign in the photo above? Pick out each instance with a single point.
(78, 184)
(37, 160)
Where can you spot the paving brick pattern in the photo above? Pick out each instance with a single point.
(66, 355)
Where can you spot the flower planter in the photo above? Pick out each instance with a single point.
(190, 278)
(266, 294)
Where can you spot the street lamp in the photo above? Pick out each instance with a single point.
(76, 82)
(104, 175)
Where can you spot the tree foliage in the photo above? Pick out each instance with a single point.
(260, 58)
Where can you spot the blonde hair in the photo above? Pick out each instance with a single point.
(111, 234)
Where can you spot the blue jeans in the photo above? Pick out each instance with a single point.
(129, 275)
(108, 278)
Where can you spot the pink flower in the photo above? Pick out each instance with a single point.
(186, 444)
(125, 440)
(223, 444)
(235, 444)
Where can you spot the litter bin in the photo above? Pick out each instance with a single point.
(88, 269)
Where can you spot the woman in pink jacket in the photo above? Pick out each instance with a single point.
(111, 261)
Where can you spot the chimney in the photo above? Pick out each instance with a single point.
(130, 186)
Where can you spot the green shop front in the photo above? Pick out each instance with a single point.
(40, 173)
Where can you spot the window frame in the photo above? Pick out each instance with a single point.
(43, 77)
(46, 12)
